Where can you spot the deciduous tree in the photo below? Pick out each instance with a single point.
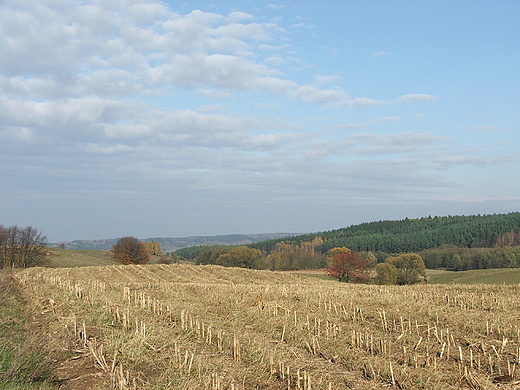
(153, 247)
(334, 251)
(283, 257)
(508, 239)
(242, 256)
(129, 250)
(350, 267)
(22, 247)
(304, 256)
(409, 266)
(386, 274)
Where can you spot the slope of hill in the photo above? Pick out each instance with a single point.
(67, 258)
(72, 258)
(173, 243)
(410, 235)
(477, 276)
(200, 327)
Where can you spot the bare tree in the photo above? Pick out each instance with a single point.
(4, 235)
(32, 247)
(21, 247)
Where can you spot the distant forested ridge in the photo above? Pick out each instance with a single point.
(412, 235)
(173, 243)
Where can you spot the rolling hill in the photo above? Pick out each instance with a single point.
(173, 243)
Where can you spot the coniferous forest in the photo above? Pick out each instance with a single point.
(412, 235)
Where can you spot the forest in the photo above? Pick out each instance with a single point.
(451, 242)
(412, 235)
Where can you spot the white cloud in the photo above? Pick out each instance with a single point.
(304, 25)
(362, 103)
(275, 6)
(16, 133)
(267, 106)
(473, 158)
(313, 94)
(379, 54)
(358, 103)
(486, 128)
(215, 94)
(400, 143)
(146, 49)
(326, 79)
(106, 149)
(147, 12)
(266, 47)
(237, 16)
(71, 119)
(363, 125)
(351, 126)
(373, 144)
(275, 60)
(94, 49)
(415, 97)
(275, 85)
(122, 131)
(394, 118)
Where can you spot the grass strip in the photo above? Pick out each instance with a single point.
(23, 364)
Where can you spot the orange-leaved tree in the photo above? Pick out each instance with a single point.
(350, 267)
(129, 250)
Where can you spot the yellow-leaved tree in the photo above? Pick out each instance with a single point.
(153, 247)
(410, 267)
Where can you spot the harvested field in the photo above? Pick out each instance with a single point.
(209, 327)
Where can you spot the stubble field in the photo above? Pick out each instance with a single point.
(209, 327)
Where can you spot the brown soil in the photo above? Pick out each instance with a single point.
(78, 373)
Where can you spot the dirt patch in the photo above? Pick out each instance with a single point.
(73, 367)
(78, 373)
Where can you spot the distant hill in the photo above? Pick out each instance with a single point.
(169, 244)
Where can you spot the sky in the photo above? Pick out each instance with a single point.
(167, 119)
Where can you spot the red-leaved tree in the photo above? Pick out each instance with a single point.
(350, 267)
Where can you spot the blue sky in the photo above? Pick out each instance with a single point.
(151, 118)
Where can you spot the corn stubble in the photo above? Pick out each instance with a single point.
(209, 327)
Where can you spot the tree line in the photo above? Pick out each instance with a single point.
(232, 256)
(22, 247)
(461, 259)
